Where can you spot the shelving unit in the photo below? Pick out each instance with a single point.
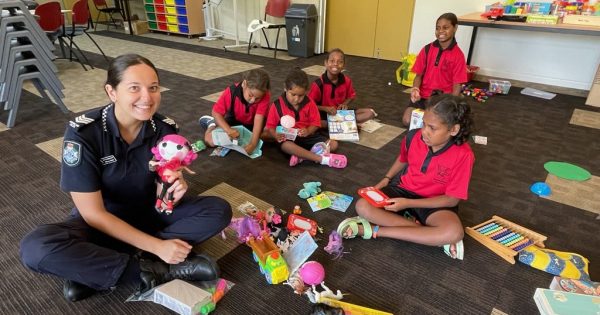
(175, 16)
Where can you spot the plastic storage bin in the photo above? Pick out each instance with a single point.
(161, 18)
(159, 8)
(173, 28)
(183, 29)
(181, 10)
(499, 86)
(149, 8)
(171, 19)
(152, 25)
(182, 19)
(471, 72)
(179, 2)
(170, 2)
(171, 10)
(151, 16)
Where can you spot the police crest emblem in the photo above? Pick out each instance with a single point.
(71, 153)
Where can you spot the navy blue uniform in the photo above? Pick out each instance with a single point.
(96, 158)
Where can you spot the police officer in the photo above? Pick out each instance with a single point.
(105, 169)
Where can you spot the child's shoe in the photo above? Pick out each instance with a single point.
(206, 122)
(320, 148)
(334, 160)
(294, 160)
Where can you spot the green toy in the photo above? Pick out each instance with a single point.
(310, 189)
(198, 146)
(567, 171)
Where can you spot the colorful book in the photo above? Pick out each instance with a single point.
(551, 302)
(339, 202)
(342, 126)
(319, 202)
(575, 286)
(220, 138)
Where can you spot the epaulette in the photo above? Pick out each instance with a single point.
(167, 121)
(85, 119)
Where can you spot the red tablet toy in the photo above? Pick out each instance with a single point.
(300, 223)
(374, 196)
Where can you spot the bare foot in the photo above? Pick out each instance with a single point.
(348, 232)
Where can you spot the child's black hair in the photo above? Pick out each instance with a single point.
(453, 110)
(296, 77)
(336, 50)
(324, 309)
(450, 17)
(257, 79)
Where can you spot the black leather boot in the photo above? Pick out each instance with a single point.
(74, 291)
(197, 267)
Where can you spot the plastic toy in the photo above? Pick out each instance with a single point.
(287, 127)
(198, 146)
(374, 196)
(301, 224)
(480, 95)
(310, 189)
(269, 259)
(541, 189)
(297, 210)
(173, 152)
(350, 308)
(287, 121)
(314, 296)
(219, 292)
(335, 247)
(296, 283)
(312, 272)
(245, 227)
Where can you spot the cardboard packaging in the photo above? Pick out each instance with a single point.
(416, 119)
(139, 27)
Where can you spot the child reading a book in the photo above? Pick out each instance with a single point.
(431, 175)
(333, 90)
(440, 66)
(294, 103)
(244, 103)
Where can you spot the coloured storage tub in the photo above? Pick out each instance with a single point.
(170, 2)
(179, 2)
(171, 19)
(152, 25)
(181, 10)
(171, 10)
(161, 18)
(173, 28)
(149, 8)
(159, 8)
(182, 19)
(499, 86)
(151, 16)
(183, 29)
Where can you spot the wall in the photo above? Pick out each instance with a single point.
(546, 58)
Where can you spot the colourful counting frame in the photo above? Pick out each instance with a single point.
(504, 237)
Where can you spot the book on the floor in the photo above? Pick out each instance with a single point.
(575, 286)
(300, 251)
(342, 126)
(339, 202)
(552, 302)
(319, 202)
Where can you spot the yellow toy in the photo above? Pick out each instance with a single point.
(351, 308)
(566, 265)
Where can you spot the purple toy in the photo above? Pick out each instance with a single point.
(335, 247)
(245, 227)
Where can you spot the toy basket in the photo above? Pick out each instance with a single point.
(499, 86)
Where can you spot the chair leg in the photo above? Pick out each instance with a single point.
(80, 52)
(276, 42)
(250, 42)
(93, 41)
(97, 19)
(266, 38)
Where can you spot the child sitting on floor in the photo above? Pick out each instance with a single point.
(244, 103)
(293, 102)
(433, 172)
(333, 90)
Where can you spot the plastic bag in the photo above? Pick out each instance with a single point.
(404, 75)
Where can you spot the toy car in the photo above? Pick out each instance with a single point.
(269, 259)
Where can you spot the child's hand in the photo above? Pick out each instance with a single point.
(415, 95)
(249, 148)
(382, 183)
(331, 110)
(396, 204)
(303, 132)
(280, 137)
(342, 106)
(233, 133)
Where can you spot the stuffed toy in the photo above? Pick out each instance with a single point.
(310, 189)
(563, 264)
(173, 152)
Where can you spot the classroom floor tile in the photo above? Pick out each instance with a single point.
(218, 247)
(583, 195)
(585, 118)
(379, 137)
(3, 127)
(52, 147)
(496, 311)
(212, 97)
(212, 67)
(315, 70)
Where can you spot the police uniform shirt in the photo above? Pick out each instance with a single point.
(95, 157)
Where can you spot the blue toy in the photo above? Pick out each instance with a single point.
(310, 189)
(541, 189)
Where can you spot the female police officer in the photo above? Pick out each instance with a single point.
(105, 169)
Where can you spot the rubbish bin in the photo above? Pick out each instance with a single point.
(301, 28)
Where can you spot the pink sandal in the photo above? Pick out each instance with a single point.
(337, 160)
(294, 160)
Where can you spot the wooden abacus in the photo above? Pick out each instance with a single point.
(505, 238)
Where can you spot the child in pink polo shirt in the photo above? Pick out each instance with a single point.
(440, 66)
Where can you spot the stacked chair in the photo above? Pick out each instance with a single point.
(26, 53)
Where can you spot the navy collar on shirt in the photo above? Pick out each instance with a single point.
(431, 154)
(290, 107)
(109, 124)
(436, 43)
(341, 80)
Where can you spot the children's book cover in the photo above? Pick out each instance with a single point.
(342, 126)
(319, 202)
(220, 138)
(300, 251)
(339, 202)
(561, 302)
(575, 286)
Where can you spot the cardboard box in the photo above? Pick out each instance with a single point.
(139, 27)
(594, 95)
(416, 119)
(591, 20)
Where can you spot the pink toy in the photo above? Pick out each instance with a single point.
(312, 272)
(173, 152)
(335, 247)
(288, 121)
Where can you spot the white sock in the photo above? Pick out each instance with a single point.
(324, 160)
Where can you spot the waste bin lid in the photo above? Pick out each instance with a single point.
(301, 10)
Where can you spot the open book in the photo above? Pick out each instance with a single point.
(220, 138)
(342, 126)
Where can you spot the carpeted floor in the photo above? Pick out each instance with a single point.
(399, 277)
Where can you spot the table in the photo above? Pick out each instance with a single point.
(475, 20)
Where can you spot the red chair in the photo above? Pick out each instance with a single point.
(51, 20)
(108, 12)
(274, 8)
(80, 24)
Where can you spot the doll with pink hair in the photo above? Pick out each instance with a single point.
(173, 152)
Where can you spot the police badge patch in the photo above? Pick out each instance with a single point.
(71, 153)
